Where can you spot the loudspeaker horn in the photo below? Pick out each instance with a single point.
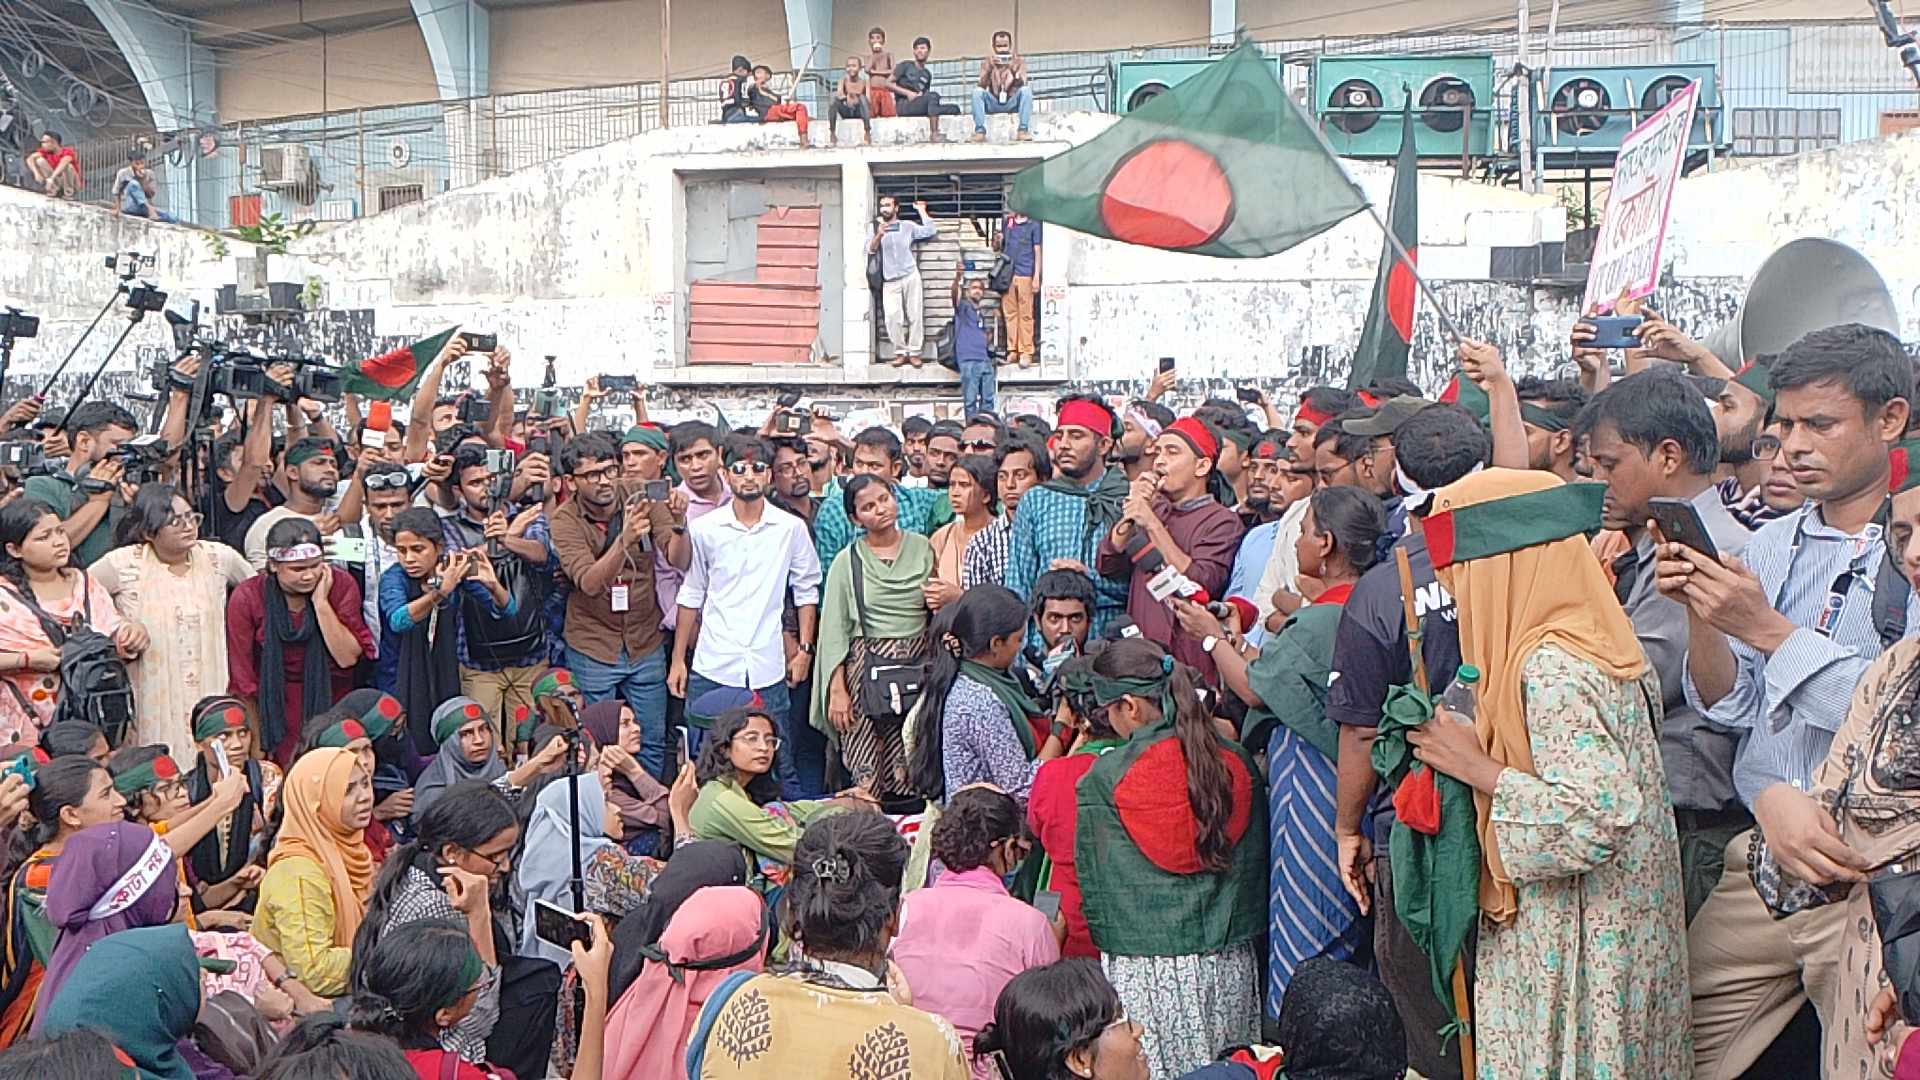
(1805, 285)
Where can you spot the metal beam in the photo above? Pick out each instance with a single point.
(810, 40)
(1223, 18)
(456, 32)
(176, 75)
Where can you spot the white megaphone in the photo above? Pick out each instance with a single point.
(1805, 285)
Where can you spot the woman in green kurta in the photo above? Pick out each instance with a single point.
(739, 799)
(877, 616)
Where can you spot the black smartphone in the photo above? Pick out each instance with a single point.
(481, 342)
(657, 490)
(557, 927)
(1247, 394)
(623, 384)
(1680, 523)
(1166, 363)
(1615, 331)
(1047, 902)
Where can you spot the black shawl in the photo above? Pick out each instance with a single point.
(317, 685)
(210, 866)
(429, 667)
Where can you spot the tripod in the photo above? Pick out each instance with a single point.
(578, 882)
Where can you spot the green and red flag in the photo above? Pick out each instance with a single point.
(1223, 164)
(1388, 336)
(392, 375)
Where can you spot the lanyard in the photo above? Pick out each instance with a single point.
(1836, 602)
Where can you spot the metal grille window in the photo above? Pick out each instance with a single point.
(978, 196)
(400, 195)
(1774, 132)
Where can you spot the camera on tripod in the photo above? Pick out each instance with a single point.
(141, 458)
(128, 264)
(146, 297)
(22, 457)
(14, 324)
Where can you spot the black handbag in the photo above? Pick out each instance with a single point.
(887, 690)
(1000, 280)
(876, 276)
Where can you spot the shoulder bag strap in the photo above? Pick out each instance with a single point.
(55, 630)
(1413, 621)
(703, 1021)
(859, 587)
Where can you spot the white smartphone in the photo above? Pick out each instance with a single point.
(220, 756)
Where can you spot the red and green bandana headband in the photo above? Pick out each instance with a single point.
(1758, 378)
(1240, 437)
(1467, 394)
(342, 734)
(1267, 450)
(1092, 415)
(300, 455)
(1196, 435)
(454, 714)
(1501, 526)
(380, 717)
(1905, 460)
(552, 683)
(146, 775)
(650, 437)
(523, 724)
(1316, 417)
(219, 716)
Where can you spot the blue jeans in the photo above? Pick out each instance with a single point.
(776, 700)
(985, 104)
(642, 684)
(978, 387)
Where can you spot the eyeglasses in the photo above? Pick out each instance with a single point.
(979, 446)
(1766, 448)
(754, 738)
(166, 790)
(385, 480)
(498, 862)
(596, 476)
(191, 519)
(741, 468)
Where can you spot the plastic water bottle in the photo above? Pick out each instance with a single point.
(1458, 698)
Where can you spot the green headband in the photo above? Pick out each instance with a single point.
(1541, 418)
(302, 454)
(650, 437)
(1500, 526)
(1758, 377)
(1904, 458)
(342, 733)
(551, 683)
(452, 715)
(224, 715)
(471, 969)
(145, 775)
(1159, 687)
(1239, 437)
(380, 717)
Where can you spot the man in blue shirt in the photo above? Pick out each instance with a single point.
(1020, 240)
(902, 297)
(978, 384)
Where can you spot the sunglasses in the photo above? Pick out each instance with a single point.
(387, 480)
(742, 468)
(979, 446)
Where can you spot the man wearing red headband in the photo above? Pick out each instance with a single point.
(1317, 406)
(1062, 522)
(1174, 511)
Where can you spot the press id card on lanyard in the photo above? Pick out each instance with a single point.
(617, 597)
(1836, 602)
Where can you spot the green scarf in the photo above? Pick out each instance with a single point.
(1106, 499)
(896, 608)
(1015, 699)
(1291, 676)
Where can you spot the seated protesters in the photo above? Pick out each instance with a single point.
(320, 871)
(880, 70)
(75, 738)
(963, 938)
(420, 615)
(461, 850)
(1002, 88)
(425, 977)
(469, 750)
(174, 585)
(736, 94)
(82, 1052)
(771, 108)
(1052, 808)
(556, 701)
(882, 622)
(55, 168)
(324, 1048)
(156, 794)
(228, 856)
(133, 189)
(141, 989)
(976, 506)
(69, 794)
(294, 635)
(1177, 895)
(722, 931)
(369, 723)
(850, 101)
(1339, 1022)
(844, 906)
(109, 878)
(1064, 1019)
(641, 800)
(88, 496)
(913, 92)
(39, 583)
(615, 881)
(1284, 687)
(312, 492)
(738, 800)
(694, 866)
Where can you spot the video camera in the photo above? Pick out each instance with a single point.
(15, 324)
(242, 376)
(22, 457)
(141, 458)
(128, 264)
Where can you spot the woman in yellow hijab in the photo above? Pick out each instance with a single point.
(320, 871)
(1582, 950)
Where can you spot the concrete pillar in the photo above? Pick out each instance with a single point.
(857, 306)
(456, 32)
(810, 42)
(1223, 18)
(177, 77)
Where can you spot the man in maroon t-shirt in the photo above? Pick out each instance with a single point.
(56, 167)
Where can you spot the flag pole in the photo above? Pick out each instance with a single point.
(1399, 249)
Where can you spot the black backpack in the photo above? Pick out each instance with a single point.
(95, 685)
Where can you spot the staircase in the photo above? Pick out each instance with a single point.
(773, 319)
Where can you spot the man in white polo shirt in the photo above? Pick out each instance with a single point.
(746, 555)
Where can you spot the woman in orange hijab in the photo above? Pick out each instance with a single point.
(1582, 951)
(320, 871)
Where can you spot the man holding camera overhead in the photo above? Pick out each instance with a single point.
(82, 494)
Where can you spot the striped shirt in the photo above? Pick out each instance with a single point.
(985, 560)
(1790, 704)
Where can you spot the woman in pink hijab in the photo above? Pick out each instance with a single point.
(719, 931)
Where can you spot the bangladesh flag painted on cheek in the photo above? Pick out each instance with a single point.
(1223, 164)
(393, 375)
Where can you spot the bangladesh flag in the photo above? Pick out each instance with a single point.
(393, 375)
(1223, 164)
(1388, 336)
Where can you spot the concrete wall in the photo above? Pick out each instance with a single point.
(586, 259)
(370, 67)
(965, 27)
(584, 44)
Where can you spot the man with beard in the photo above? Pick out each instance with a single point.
(747, 557)
(1272, 490)
(1317, 406)
(913, 440)
(902, 299)
(294, 635)
(1140, 426)
(84, 493)
(1649, 436)
(1548, 408)
(793, 481)
(1061, 523)
(943, 449)
(316, 480)
(385, 489)
(605, 538)
(922, 510)
(1739, 415)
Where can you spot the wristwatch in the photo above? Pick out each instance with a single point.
(807, 647)
(1207, 643)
